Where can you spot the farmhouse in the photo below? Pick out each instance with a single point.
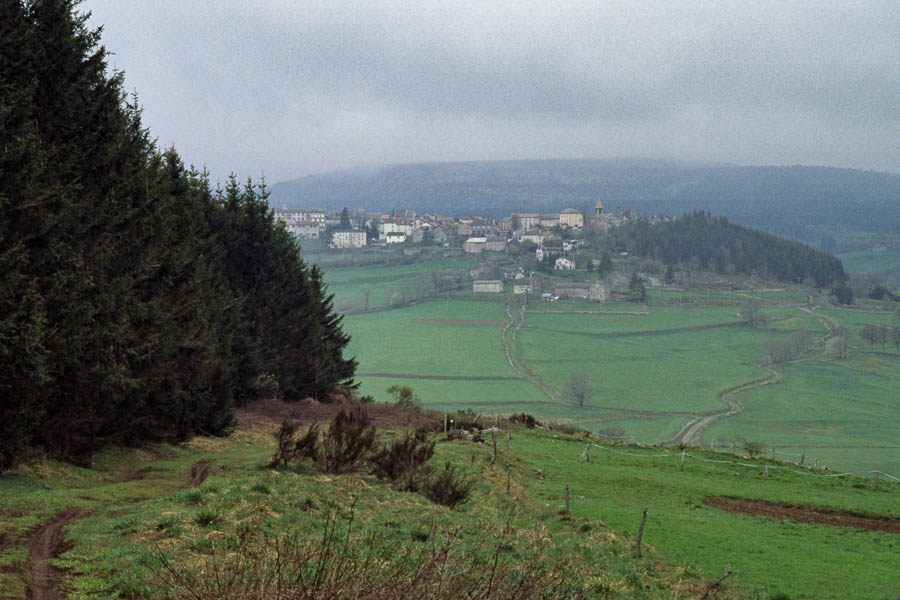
(564, 264)
(475, 245)
(495, 243)
(395, 237)
(487, 285)
(590, 291)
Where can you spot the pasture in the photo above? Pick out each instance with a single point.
(652, 367)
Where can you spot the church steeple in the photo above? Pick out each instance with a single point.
(598, 208)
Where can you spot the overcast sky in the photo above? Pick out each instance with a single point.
(286, 88)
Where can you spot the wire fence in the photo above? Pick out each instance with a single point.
(685, 455)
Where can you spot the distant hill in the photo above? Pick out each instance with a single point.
(796, 201)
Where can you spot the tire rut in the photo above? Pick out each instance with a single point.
(46, 543)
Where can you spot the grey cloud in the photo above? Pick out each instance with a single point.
(435, 81)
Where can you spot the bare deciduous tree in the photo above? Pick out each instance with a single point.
(578, 388)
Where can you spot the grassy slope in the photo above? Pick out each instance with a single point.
(117, 546)
(130, 526)
(771, 557)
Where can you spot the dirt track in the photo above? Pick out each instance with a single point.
(805, 513)
(46, 543)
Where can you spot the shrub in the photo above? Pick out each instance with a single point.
(404, 397)
(289, 447)
(448, 487)
(207, 517)
(524, 419)
(404, 462)
(565, 428)
(349, 439)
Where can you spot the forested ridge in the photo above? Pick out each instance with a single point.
(136, 302)
(794, 201)
(700, 241)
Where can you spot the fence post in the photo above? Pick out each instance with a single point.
(494, 441)
(682, 460)
(508, 442)
(445, 422)
(493, 458)
(802, 456)
(507, 479)
(567, 498)
(637, 546)
(587, 452)
(767, 471)
(473, 457)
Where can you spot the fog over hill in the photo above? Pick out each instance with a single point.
(797, 201)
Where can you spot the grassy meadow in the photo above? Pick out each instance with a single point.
(143, 532)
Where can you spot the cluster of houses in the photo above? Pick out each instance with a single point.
(554, 239)
(473, 234)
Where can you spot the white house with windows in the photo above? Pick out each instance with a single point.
(348, 238)
(564, 263)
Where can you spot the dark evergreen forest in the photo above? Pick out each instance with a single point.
(136, 302)
(701, 241)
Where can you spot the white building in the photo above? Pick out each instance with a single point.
(395, 237)
(564, 264)
(348, 238)
(487, 285)
(475, 245)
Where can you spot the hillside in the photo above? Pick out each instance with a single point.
(208, 520)
(796, 201)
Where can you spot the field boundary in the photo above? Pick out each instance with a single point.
(442, 377)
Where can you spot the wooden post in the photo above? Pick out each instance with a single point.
(508, 442)
(682, 460)
(587, 452)
(473, 457)
(802, 457)
(507, 479)
(493, 458)
(494, 441)
(767, 471)
(445, 422)
(567, 498)
(637, 545)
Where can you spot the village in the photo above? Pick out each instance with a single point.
(545, 243)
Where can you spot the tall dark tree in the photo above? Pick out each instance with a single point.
(135, 304)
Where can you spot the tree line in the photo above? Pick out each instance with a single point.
(136, 302)
(700, 241)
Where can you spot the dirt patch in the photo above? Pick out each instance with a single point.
(199, 472)
(47, 542)
(805, 513)
(459, 321)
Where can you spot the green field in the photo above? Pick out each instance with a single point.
(652, 367)
(884, 264)
(770, 558)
